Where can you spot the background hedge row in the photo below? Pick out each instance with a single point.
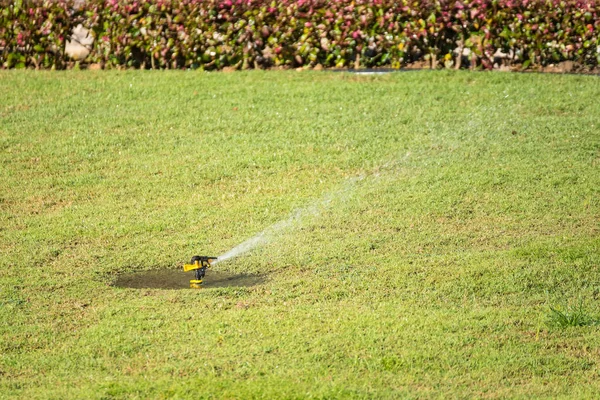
(214, 34)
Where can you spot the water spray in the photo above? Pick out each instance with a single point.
(201, 263)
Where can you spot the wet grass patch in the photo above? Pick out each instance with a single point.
(177, 279)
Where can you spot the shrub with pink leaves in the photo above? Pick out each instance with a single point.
(213, 34)
(34, 33)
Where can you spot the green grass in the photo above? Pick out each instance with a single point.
(571, 316)
(431, 277)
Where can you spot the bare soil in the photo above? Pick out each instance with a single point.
(175, 279)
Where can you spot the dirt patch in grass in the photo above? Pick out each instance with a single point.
(174, 279)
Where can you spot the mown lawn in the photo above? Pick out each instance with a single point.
(450, 212)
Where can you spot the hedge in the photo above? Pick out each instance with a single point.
(213, 34)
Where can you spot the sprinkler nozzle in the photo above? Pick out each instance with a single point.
(198, 264)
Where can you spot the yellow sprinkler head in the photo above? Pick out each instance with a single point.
(196, 283)
(198, 265)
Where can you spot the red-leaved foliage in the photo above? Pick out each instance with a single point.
(214, 34)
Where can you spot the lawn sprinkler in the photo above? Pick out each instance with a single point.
(199, 265)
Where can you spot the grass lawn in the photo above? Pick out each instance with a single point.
(447, 214)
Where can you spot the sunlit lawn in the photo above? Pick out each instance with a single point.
(447, 213)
